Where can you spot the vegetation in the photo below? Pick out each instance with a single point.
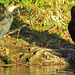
(36, 22)
(45, 21)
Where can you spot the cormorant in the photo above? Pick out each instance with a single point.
(71, 26)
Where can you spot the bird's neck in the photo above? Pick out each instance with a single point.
(8, 15)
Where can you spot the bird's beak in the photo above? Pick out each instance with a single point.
(11, 8)
(17, 5)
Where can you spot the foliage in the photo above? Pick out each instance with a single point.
(42, 15)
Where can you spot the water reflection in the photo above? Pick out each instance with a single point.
(37, 70)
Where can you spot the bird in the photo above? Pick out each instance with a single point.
(5, 24)
(71, 25)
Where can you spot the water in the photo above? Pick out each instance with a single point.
(37, 70)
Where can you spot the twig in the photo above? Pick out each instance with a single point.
(52, 28)
(45, 47)
(12, 32)
(16, 31)
(19, 31)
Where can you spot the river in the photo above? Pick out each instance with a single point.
(38, 70)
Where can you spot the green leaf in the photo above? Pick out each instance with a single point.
(2, 1)
(16, 0)
(23, 1)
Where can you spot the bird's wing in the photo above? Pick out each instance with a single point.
(3, 24)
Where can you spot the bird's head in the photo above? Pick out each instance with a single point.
(10, 8)
(73, 11)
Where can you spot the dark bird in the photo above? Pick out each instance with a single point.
(7, 21)
(71, 26)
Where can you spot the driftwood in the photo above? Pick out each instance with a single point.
(57, 56)
(42, 56)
